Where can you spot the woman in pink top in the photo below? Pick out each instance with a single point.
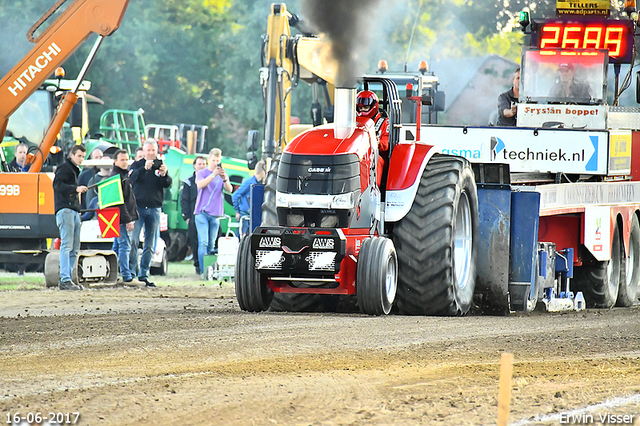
(210, 182)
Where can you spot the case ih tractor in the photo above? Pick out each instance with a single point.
(541, 214)
(334, 236)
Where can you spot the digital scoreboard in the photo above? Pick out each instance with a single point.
(615, 36)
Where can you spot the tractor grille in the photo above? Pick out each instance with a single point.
(313, 218)
(318, 174)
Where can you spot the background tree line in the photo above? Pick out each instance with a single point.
(197, 61)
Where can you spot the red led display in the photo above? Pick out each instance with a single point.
(612, 35)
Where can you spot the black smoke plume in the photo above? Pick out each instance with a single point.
(348, 25)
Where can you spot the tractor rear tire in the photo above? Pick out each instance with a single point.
(600, 281)
(290, 302)
(436, 241)
(628, 292)
(252, 292)
(376, 276)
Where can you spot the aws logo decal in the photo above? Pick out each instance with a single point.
(497, 146)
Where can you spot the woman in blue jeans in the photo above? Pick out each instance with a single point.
(209, 208)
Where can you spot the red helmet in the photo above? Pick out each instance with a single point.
(367, 104)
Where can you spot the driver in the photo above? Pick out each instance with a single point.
(367, 105)
(567, 86)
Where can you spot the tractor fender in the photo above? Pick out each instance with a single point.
(406, 165)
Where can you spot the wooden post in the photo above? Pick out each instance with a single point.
(504, 392)
(191, 142)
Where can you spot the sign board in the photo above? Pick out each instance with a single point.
(597, 231)
(613, 35)
(584, 8)
(109, 221)
(620, 152)
(525, 150)
(568, 116)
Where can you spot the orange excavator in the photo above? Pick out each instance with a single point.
(27, 216)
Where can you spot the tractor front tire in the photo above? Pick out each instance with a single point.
(252, 292)
(376, 276)
(436, 241)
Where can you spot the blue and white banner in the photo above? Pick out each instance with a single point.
(524, 149)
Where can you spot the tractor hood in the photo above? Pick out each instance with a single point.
(323, 140)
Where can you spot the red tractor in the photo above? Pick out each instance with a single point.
(409, 241)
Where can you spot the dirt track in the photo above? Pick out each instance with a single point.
(188, 355)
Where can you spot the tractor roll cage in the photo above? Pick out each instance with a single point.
(391, 104)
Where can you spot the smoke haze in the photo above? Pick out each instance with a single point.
(347, 24)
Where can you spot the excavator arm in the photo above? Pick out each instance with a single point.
(57, 42)
(286, 59)
(27, 208)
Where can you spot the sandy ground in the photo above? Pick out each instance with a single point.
(188, 355)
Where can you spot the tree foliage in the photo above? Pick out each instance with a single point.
(197, 61)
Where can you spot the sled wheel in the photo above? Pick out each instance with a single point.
(210, 273)
(436, 241)
(290, 302)
(252, 291)
(163, 269)
(52, 268)
(376, 276)
(600, 281)
(628, 292)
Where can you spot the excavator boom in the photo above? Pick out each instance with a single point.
(79, 21)
(27, 210)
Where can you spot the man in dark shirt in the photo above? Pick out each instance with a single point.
(507, 103)
(87, 174)
(149, 178)
(66, 193)
(19, 162)
(128, 213)
(17, 165)
(188, 196)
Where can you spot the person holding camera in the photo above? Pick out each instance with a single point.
(149, 179)
(209, 207)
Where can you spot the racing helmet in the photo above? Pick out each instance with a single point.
(367, 104)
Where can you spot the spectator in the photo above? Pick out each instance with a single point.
(86, 175)
(67, 206)
(210, 182)
(139, 153)
(90, 212)
(17, 165)
(241, 200)
(103, 173)
(128, 213)
(188, 196)
(149, 178)
(508, 101)
(19, 162)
